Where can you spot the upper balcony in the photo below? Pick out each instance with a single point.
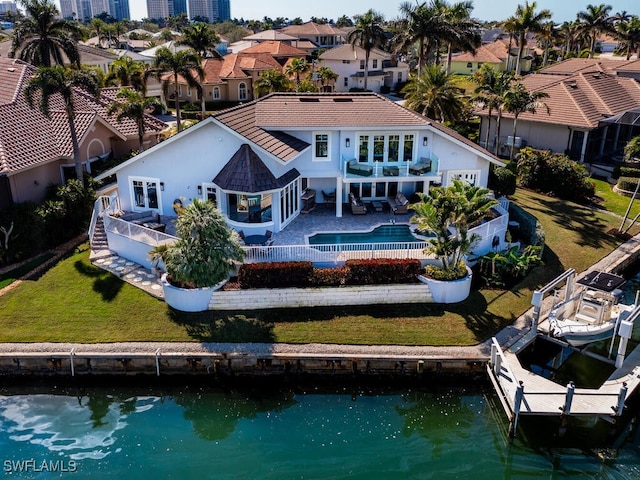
(424, 167)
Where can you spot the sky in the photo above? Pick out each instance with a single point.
(562, 10)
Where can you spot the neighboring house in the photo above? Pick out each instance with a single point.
(281, 51)
(227, 79)
(578, 103)
(349, 63)
(612, 66)
(36, 151)
(260, 161)
(322, 35)
(272, 36)
(495, 54)
(606, 43)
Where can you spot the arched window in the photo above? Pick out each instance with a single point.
(216, 93)
(242, 91)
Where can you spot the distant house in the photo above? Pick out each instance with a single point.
(272, 36)
(612, 66)
(349, 63)
(36, 151)
(579, 103)
(496, 54)
(227, 79)
(322, 35)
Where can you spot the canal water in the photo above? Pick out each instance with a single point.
(292, 433)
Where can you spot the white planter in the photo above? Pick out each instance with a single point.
(453, 291)
(188, 299)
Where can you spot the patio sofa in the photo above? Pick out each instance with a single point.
(423, 166)
(357, 207)
(140, 217)
(361, 169)
(399, 204)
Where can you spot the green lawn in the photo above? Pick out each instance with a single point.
(77, 302)
(613, 202)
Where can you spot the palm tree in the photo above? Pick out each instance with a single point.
(125, 72)
(595, 21)
(134, 105)
(629, 33)
(528, 20)
(271, 81)
(459, 30)
(457, 206)
(435, 95)
(546, 38)
(325, 75)
(519, 100)
(295, 68)
(175, 66)
(57, 81)
(43, 39)
(368, 34)
(415, 27)
(202, 38)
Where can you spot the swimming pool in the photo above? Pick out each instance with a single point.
(381, 234)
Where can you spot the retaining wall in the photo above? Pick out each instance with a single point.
(263, 298)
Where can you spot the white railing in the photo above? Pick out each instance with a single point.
(400, 168)
(99, 207)
(136, 232)
(336, 253)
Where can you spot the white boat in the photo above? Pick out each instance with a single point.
(593, 314)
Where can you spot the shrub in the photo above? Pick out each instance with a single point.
(505, 269)
(627, 183)
(275, 275)
(329, 277)
(382, 271)
(502, 181)
(553, 173)
(454, 273)
(629, 172)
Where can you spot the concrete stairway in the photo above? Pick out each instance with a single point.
(99, 242)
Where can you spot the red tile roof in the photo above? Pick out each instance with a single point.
(575, 65)
(28, 138)
(275, 48)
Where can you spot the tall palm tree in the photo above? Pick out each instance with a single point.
(491, 89)
(325, 75)
(134, 105)
(43, 39)
(546, 39)
(368, 34)
(435, 95)
(50, 82)
(416, 27)
(174, 66)
(629, 33)
(202, 38)
(519, 100)
(295, 68)
(510, 26)
(459, 30)
(594, 21)
(528, 20)
(271, 81)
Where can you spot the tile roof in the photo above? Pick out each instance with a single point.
(242, 119)
(575, 65)
(246, 172)
(495, 52)
(583, 99)
(28, 138)
(288, 110)
(270, 35)
(312, 28)
(350, 52)
(275, 48)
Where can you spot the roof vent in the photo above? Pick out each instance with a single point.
(343, 99)
(572, 84)
(11, 69)
(306, 99)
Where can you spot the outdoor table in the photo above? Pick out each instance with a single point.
(255, 239)
(158, 227)
(377, 206)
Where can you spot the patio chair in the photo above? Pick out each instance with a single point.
(268, 234)
(399, 204)
(329, 197)
(421, 167)
(357, 207)
(241, 235)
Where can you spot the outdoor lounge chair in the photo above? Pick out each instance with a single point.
(399, 204)
(357, 207)
(361, 169)
(329, 197)
(423, 166)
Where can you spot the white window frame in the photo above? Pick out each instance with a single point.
(188, 91)
(242, 91)
(216, 93)
(362, 64)
(374, 63)
(386, 135)
(315, 139)
(145, 184)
